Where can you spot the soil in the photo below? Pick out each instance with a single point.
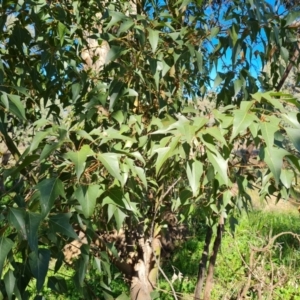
(290, 206)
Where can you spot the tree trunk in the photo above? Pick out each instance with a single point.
(289, 67)
(140, 285)
(212, 260)
(202, 265)
(146, 270)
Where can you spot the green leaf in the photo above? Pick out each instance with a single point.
(16, 218)
(81, 265)
(164, 153)
(269, 97)
(220, 165)
(218, 80)
(291, 17)
(87, 197)
(237, 84)
(233, 32)
(294, 135)
(84, 135)
(76, 88)
(32, 224)
(60, 223)
(111, 162)
(216, 133)
(125, 26)
(119, 217)
(38, 137)
(4, 100)
(242, 119)
(48, 149)
(79, 158)
(114, 53)
(292, 119)
(16, 107)
(268, 130)
(199, 58)
(119, 115)
(115, 92)
(214, 208)
(39, 263)
(142, 175)
(257, 96)
(49, 189)
(273, 158)
(9, 281)
(6, 245)
(153, 38)
(114, 196)
(214, 31)
(115, 18)
(61, 29)
(57, 284)
(284, 54)
(287, 177)
(194, 171)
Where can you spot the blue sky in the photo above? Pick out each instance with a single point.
(255, 63)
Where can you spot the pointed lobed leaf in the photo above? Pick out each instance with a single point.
(153, 38)
(268, 130)
(16, 107)
(49, 189)
(81, 265)
(87, 197)
(79, 158)
(220, 165)
(111, 162)
(294, 135)
(194, 170)
(60, 223)
(39, 136)
(164, 153)
(286, 177)
(216, 133)
(292, 119)
(5, 246)
(48, 149)
(273, 158)
(16, 218)
(242, 119)
(114, 196)
(9, 282)
(119, 217)
(142, 175)
(32, 224)
(114, 53)
(39, 263)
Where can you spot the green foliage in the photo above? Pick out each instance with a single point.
(117, 146)
(230, 268)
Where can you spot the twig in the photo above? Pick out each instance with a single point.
(159, 201)
(152, 234)
(165, 276)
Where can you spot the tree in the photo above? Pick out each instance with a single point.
(118, 151)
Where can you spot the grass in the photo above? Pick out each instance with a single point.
(230, 271)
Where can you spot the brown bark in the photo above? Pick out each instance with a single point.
(202, 265)
(212, 260)
(295, 25)
(141, 287)
(289, 67)
(146, 270)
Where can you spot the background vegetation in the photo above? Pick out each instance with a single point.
(111, 159)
